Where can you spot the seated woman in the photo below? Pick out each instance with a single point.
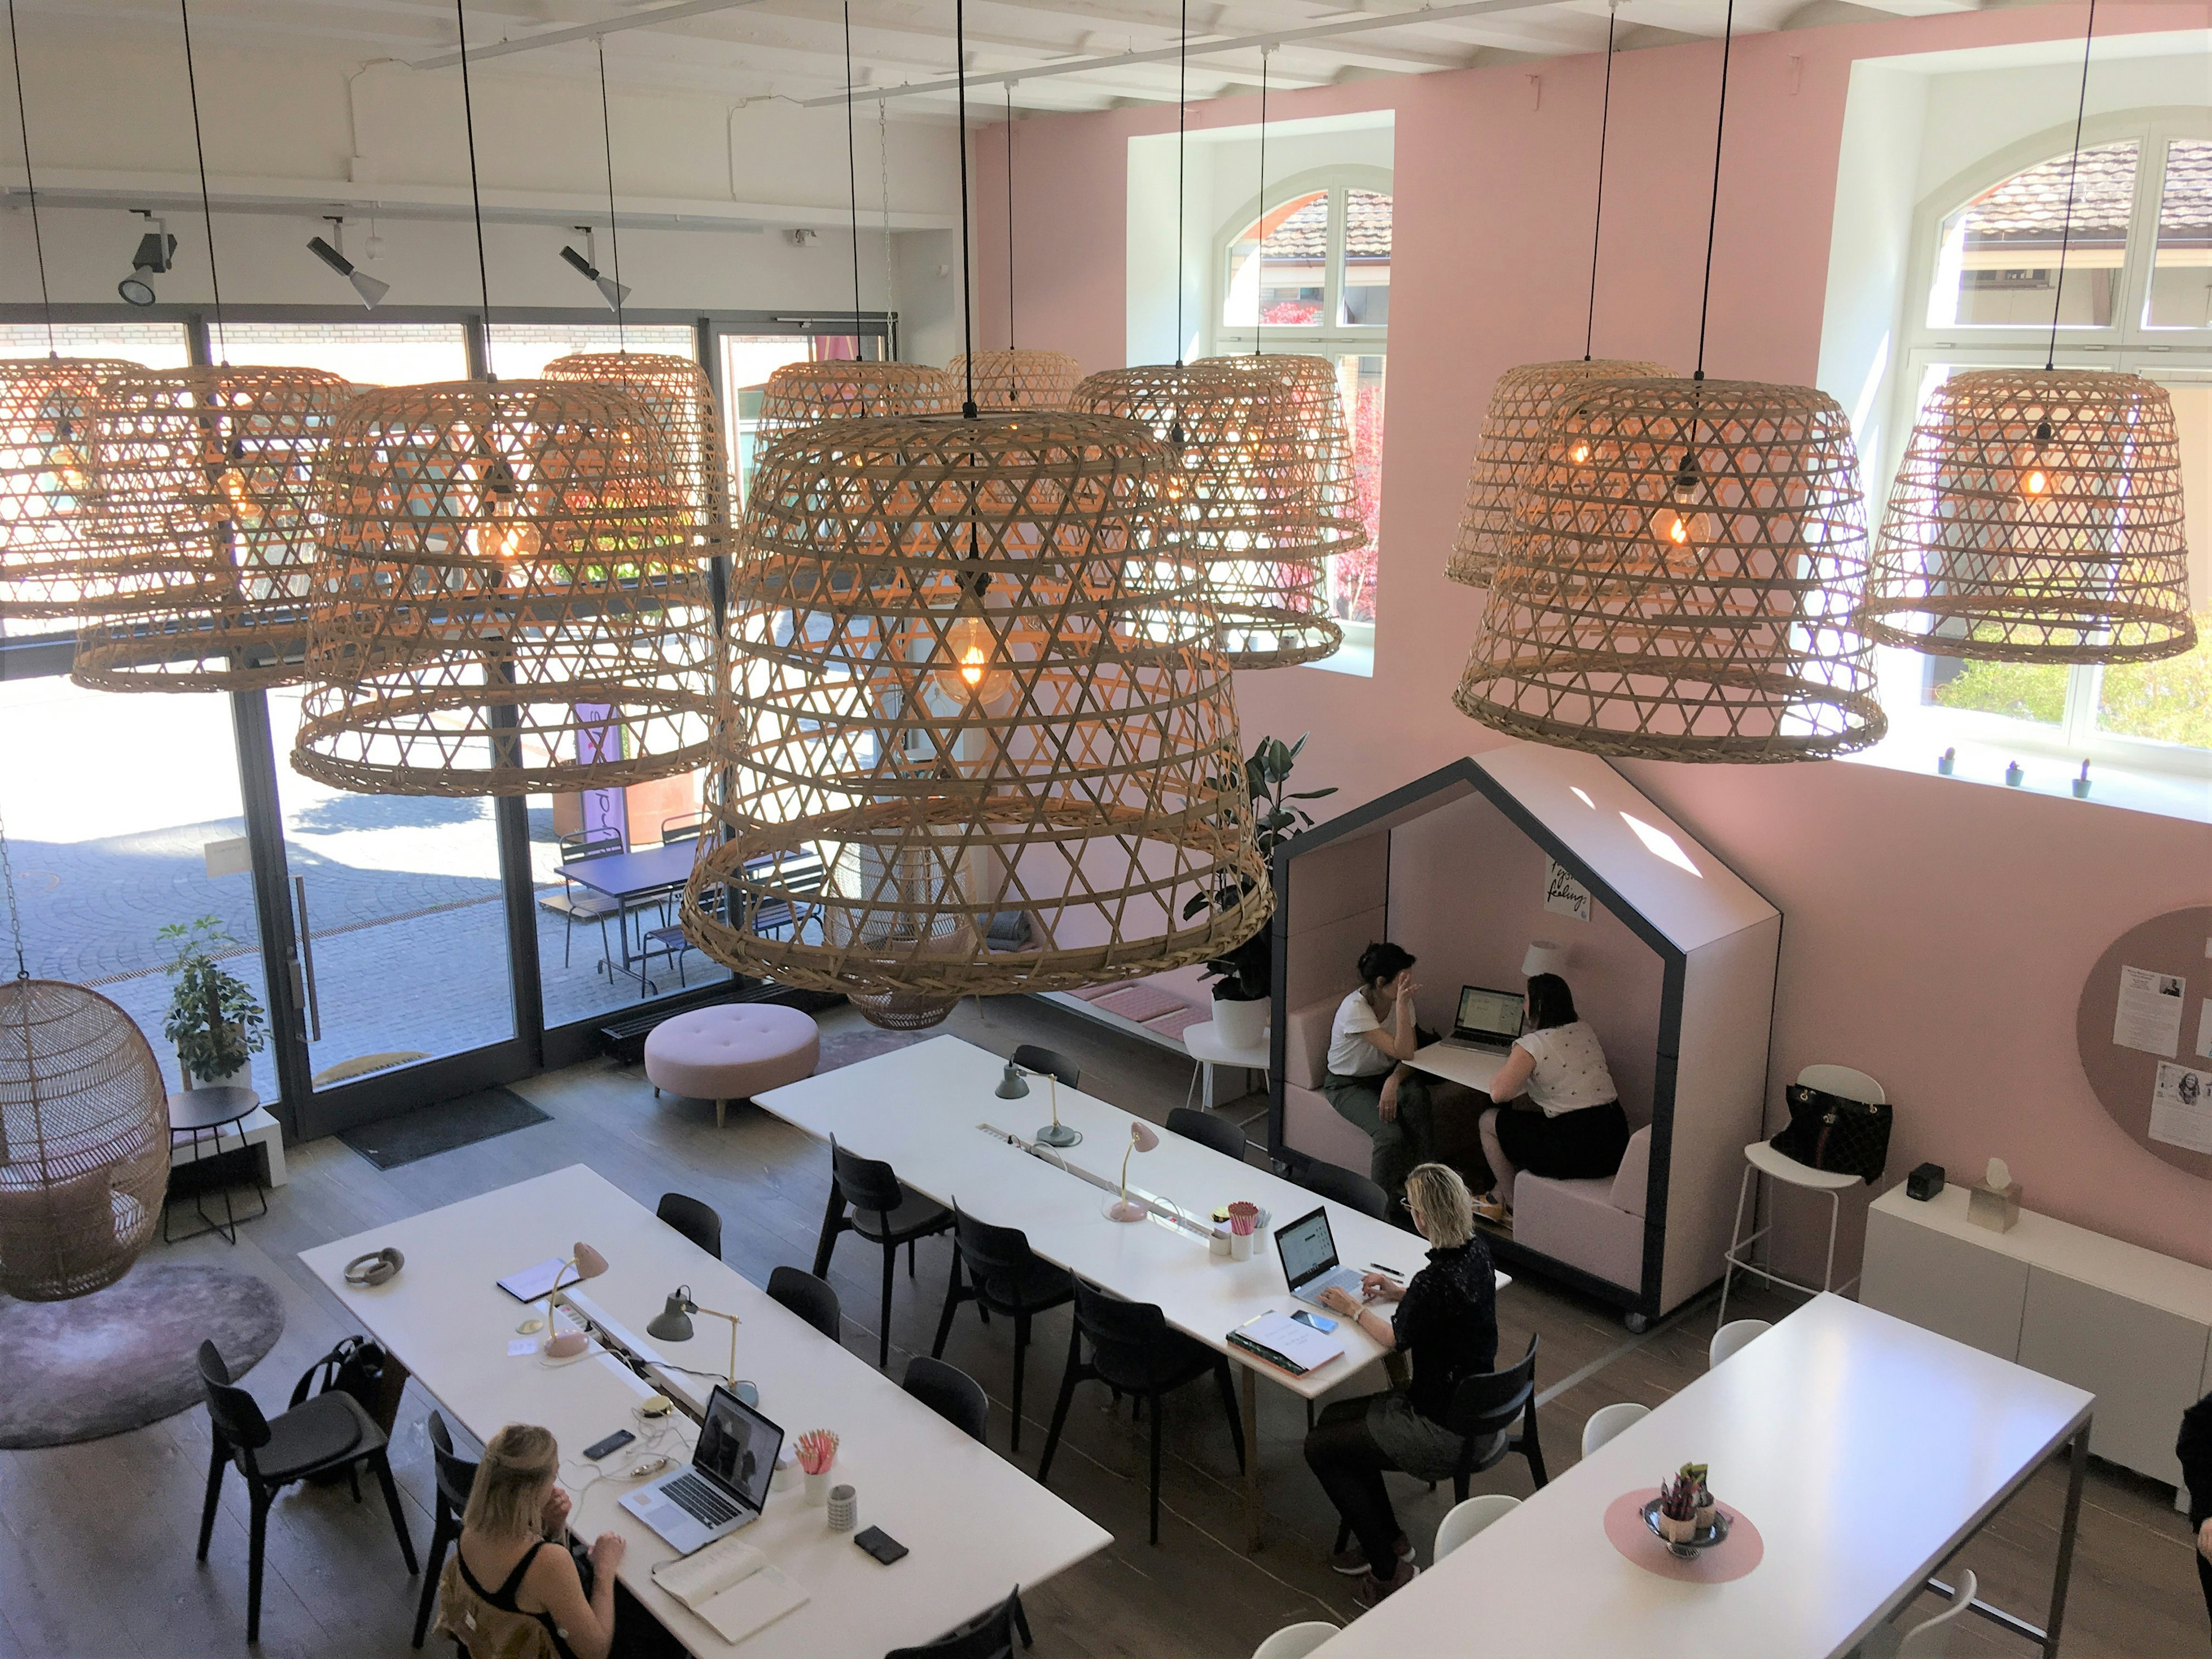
(1369, 1082)
(1570, 1127)
(1446, 1322)
(512, 1590)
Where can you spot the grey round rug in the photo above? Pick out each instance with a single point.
(126, 1356)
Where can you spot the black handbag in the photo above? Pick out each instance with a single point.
(1829, 1132)
(359, 1367)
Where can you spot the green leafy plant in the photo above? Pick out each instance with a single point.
(214, 1020)
(1246, 974)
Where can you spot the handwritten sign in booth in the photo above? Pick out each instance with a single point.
(1671, 957)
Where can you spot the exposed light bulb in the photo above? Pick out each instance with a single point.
(972, 665)
(1580, 454)
(2037, 483)
(504, 539)
(1679, 532)
(241, 507)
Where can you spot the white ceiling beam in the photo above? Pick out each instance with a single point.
(633, 20)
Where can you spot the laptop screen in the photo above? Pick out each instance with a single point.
(1494, 1013)
(1306, 1248)
(737, 1447)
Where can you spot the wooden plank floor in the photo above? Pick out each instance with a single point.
(96, 1541)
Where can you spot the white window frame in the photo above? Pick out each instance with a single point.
(2173, 356)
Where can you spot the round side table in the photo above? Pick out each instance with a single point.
(209, 1112)
(1207, 1048)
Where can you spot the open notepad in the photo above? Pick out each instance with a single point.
(731, 1586)
(1282, 1340)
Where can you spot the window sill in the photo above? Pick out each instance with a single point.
(1356, 655)
(1914, 744)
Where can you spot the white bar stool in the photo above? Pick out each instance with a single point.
(1761, 1159)
(1207, 1048)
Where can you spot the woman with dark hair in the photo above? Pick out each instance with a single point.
(1571, 1126)
(1369, 1082)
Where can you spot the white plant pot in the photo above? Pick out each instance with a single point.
(1242, 1024)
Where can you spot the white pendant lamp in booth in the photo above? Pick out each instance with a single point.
(1680, 580)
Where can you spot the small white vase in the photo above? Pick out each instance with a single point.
(817, 1488)
(1240, 1246)
(1242, 1024)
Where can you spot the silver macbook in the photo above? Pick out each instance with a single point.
(726, 1485)
(1487, 1019)
(1308, 1250)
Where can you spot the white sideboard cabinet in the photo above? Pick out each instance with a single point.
(2132, 1326)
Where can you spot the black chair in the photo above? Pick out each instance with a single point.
(698, 1222)
(574, 903)
(671, 942)
(795, 874)
(688, 826)
(1059, 1068)
(812, 1299)
(331, 1431)
(951, 1393)
(995, 1268)
(1217, 1132)
(1348, 1187)
(883, 1212)
(991, 1636)
(1133, 1352)
(455, 1475)
(1482, 1410)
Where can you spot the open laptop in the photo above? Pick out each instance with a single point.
(1487, 1019)
(1308, 1250)
(726, 1485)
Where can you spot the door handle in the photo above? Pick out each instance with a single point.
(306, 961)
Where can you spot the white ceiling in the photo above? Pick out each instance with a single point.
(793, 49)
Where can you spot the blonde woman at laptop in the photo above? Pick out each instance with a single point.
(1570, 1127)
(1369, 1082)
(511, 1589)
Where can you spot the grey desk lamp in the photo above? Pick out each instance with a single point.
(1013, 1085)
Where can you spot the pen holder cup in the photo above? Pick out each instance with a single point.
(844, 1508)
(817, 1487)
(1240, 1246)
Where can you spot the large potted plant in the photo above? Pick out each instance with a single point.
(1244, 978)
(214, 1021)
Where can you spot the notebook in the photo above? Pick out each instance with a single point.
(1282, 1340)
(731, 1586)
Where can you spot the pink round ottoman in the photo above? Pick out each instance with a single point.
(731, 1051)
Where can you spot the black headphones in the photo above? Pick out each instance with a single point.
(375, 1268)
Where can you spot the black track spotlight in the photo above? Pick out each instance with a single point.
(372, 291)
(156, 251)
(615, 293)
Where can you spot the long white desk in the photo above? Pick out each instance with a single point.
(975, 1523)
(922, 1110)
(1865, 1449)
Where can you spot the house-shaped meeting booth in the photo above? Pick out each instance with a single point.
(1671, 957)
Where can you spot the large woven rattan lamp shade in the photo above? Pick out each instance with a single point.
(1681, 581)
(207, 484)
(84, 1140)
(2036, 517)
(510, 599)
(1245, 492)
(674, 392)
(982, 739)
(1017, 377)
(1336, 526)
(52, 564)
(1511, 449)
(800, 395)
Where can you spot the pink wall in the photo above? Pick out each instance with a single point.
(1935, 934)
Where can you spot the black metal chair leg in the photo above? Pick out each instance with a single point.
(1021, 1619)
(217, 1458)
(382, 1464)
(953, 1288)
(1155, 1537)
(910, 1243)
(1229, 1405)
(833, 1223)
(1532, 1447)
(884, 1340)
(1060, 1409)
(1021, 1365)
(258, 1543)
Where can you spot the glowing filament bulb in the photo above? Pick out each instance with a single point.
(504, 539)
(242, 507)
(1580, 454)
(977, 667)
(1679, 532)
(2037, 483)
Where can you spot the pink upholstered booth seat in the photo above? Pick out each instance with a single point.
(1310, 1124)
(731, 1051)
(1594, 1225)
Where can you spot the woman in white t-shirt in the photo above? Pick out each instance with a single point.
(1570, 1127)
(1369, 1082)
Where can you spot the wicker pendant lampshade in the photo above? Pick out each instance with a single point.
(1681, 581)
(981, 739)
(1245, 494)
(800, 395)
(510, 599)
(1511, 451)
(52, 564)
(1310, 381)
(2035, 517)
(674, 392)
(1017, 377)
(207, 484)
(84, 1140)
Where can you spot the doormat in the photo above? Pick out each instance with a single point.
(390, 1142)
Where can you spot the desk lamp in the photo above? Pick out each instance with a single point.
(588, 1264)
(673, 1323)
(1141, 1139)
(1012, 1086)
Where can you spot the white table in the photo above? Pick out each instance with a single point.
(975, 1523)
(925, 1110)
(1209, 1050)
(1475, 1067)
(1794, 1427)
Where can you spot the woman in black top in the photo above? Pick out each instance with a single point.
(510, 1571)
(2195, 1450)
(1446, 1323)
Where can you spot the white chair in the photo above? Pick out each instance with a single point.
(1608, 1421)
(1469, 1518)
(1761, 1159)
(1295, 1641)
(1930, 1639)
(1732, 1336)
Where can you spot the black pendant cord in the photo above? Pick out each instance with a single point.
(30, 181)
(614, 231)
(1259, 310)
(1182, 72)
(967, 304)
(7, 868)
(476, 194)
(2073, 167)
(1597, 215)
(207, 212)
(1010, 215)
(1713, 211)
(852, 179)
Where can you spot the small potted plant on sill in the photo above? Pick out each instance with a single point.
(1244, 978)
(214, 1021)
